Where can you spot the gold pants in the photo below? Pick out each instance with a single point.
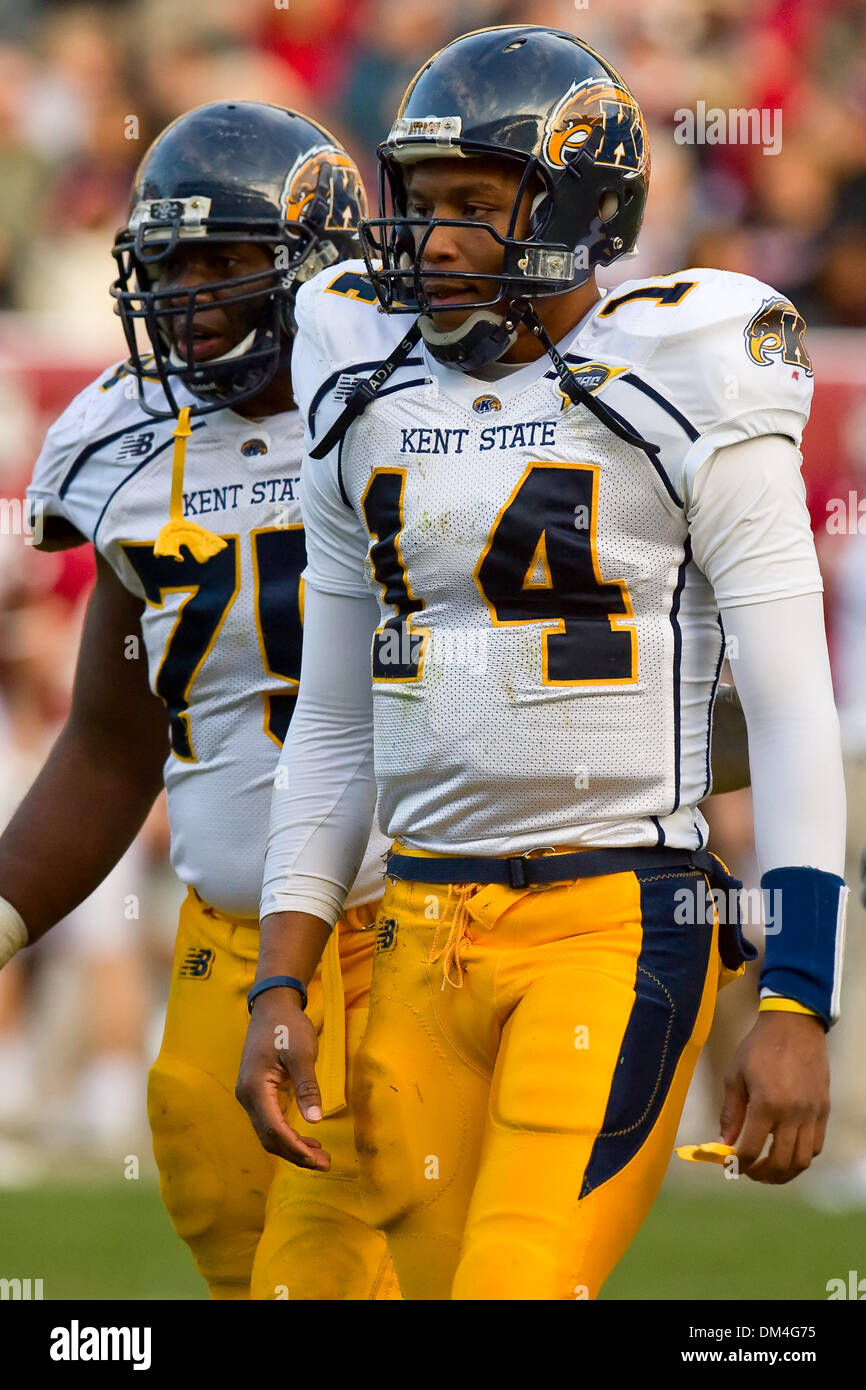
(245, 1215)
(522, 1075)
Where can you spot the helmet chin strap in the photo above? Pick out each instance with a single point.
(482, 338)
(579, 394)
(434, 337)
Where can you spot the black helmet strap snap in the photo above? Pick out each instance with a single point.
(577, 393)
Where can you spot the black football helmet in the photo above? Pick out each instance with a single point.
(232, 171)
(547, 101)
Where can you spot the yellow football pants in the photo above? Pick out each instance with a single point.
(521, 1079)
(229, 1200)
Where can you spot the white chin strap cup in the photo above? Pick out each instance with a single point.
(243, 346)
(435, 338)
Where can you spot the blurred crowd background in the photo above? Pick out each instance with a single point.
(84, 88)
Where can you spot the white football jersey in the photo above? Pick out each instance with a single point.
(549, 649)
(222, 638)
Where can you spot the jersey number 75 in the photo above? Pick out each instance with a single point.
(279, 556)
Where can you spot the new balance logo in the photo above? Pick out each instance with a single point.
(197, 964)
(385, 935)
(346, 384)
(135, 446)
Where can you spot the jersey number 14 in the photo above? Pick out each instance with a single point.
(539, 565)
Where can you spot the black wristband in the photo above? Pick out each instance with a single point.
(276, 982)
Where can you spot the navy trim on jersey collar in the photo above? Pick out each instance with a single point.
(137, 469)
(353, 370)
(88, 452)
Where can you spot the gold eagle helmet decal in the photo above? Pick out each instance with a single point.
(347, 198)
(594, 102)
(778, 329)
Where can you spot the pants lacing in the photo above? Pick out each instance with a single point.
(459, 933)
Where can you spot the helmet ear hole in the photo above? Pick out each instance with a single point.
(538, 212)
(608, 205)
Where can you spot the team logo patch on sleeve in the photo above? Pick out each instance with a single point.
(197, 964)
(778, 330)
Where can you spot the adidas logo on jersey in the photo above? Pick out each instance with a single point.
(197, 964)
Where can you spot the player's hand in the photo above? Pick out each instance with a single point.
(278, 1058)
(779, 1084)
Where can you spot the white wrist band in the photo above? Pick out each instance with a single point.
(13, 933)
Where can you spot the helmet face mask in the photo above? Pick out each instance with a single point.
(531, 95)
(230, 174)
(530, 266)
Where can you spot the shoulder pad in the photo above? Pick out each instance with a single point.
(341, 335)
(105, 411)
(725, 348)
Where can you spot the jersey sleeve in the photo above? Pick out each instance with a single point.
(327, 347)
(63, 443)
(734, 359)
(749, 524)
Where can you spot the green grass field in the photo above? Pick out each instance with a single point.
(719, 1240)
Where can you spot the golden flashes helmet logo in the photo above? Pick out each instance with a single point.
(348, 201)
(604, 102)
(778, 328)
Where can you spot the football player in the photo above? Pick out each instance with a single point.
(549, 509)
(233, 206)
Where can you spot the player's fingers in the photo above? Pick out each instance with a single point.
(754, 1133)
(806, 1147)
(820, 1131)
(778, 1164)
(306, 1088)
(733, 1107)
(261, 1102)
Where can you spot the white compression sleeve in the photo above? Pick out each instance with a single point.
(778, 653)
(325, 790)
(752, 538)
